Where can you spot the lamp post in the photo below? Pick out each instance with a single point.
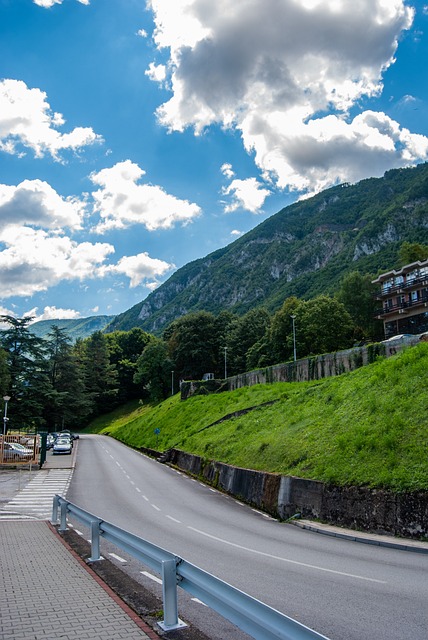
(225, 362)
(172, 383)
(293, 318)
(5, 418)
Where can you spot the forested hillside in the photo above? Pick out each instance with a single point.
(303, 250)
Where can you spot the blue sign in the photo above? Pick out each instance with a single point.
(157, 431)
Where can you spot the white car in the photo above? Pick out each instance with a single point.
(62, 445)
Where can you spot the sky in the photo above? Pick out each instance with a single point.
(137, 136)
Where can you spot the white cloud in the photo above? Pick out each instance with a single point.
(34, 261)
(26, 121)
(156, 72)
(286, 74)
(51, 313)
(235, 232)
(227, 170)
(34, 202)
(140, 268)
(47, 4)
(6, 312)
(122, 202)
(248, 194)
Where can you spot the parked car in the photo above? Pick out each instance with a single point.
(15, 451)
(62, 445)
(404, 337)
(69, 434)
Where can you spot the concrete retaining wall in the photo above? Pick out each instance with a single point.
(314, 368)
(375, 510)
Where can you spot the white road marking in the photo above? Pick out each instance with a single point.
(151, 576)
(155, 507)
(118, 558)
(269, 555)
(173, 519)
(199, 602)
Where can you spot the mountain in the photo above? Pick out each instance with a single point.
(303, 250)
(75, 328)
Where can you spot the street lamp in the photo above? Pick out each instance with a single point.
(293, 317)
(5, 418)
(225, 362)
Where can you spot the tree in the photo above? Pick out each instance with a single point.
(125, 347)
(281, 332)
(412, 252)
(357, 294)
(68, 403)
(244, 332)
(100, 376)
(153, 370)
(193, 345)
(4, 374)
(323, 325)
(29, 387)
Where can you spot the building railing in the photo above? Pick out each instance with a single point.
(403, 306)
(252, 616)
(421, 281)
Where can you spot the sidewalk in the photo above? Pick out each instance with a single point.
(405, 544)
(49, 593)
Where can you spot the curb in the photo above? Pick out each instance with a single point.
(362, 537)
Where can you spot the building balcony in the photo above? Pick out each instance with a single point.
(408, 285)
(402, 308)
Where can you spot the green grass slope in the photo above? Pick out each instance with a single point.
(368, 427)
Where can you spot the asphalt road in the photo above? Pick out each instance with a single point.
(342, 589)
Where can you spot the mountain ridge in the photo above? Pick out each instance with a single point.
(75, 327)
(303, 250)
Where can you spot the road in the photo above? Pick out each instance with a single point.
(342, 589)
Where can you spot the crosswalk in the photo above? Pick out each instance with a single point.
(35, 500)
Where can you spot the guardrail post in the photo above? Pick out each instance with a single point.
(169, 590)
(63, 517)
(95, 541)
(55, 506)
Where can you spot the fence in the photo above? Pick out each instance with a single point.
(19, 449)
(252, 616)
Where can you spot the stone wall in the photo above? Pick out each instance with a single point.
(380, 511)
(314, 368)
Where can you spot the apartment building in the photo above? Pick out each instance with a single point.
(404, 298)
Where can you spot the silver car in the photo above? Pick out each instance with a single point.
(62, 445)
(13, 451)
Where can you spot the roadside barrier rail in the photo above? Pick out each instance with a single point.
(249, 614)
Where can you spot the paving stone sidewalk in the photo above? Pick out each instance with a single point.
(48, 593)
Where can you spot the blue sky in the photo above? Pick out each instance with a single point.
(138, 136)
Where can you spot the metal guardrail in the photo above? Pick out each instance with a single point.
(252, 616)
